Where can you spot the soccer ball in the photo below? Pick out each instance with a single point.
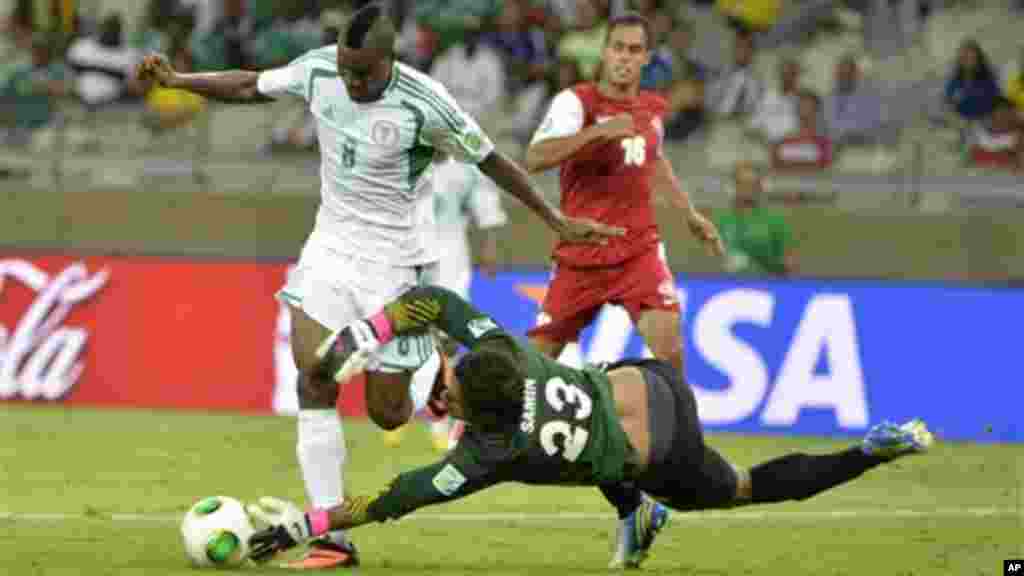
(216, 532)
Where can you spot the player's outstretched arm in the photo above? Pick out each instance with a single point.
(288, 526)
(514, 180)
(239, 86)
(665, 182)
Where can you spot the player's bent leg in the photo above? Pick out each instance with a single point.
(661, 331)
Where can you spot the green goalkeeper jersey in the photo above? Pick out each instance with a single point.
(569, 433)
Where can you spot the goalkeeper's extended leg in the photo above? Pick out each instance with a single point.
(797, 476)
(801, 476)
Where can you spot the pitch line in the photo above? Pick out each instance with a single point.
(525, 517)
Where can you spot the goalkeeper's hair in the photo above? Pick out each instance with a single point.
(491, 377)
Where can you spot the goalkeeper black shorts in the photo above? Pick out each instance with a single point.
(683, 472)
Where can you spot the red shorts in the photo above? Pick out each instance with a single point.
(576, 295)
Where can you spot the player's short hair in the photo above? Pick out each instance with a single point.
(491, 378)
(369, 27)
(630, 18)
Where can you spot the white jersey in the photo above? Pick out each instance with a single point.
(377, 158)
(462, 192)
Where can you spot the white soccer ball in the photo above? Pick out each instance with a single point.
(216, 532)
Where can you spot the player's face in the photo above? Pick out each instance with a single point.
(625, 55)
(364, 72)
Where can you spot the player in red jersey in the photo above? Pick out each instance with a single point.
(607, 138)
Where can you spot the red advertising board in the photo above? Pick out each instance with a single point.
(147, 332)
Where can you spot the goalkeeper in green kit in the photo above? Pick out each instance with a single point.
(532, 420)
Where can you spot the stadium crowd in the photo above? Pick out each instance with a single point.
(503, 60)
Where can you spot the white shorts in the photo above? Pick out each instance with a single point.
(455, 271)
(336, 289)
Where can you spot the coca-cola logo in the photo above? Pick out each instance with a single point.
(41, 358)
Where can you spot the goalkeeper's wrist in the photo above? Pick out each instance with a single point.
(319, 522)
(381, 325)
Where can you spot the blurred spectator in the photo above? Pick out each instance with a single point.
(569, 74)
(973, 88)
(567, 13)
(757, 240)
(167, 109)
(1014, 84)
(161, 22)
(219, 40)
(997, 142)
(443, 23)
(28, 98)
(853, 110)
(295, 129)
(585, 43)
(686, 94)
(18, 26)
(277, 39)
(750, 15)
(527, 65)
(30, 17)
(564, 11)
(104, 65)
(521, 46)
(737, 91)
(807, 149)
(657, 74)
(776, 115)
(474, 74)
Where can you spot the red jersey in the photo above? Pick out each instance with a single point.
(610, 181)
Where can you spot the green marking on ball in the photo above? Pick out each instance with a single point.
(208, 506)
(222, 546)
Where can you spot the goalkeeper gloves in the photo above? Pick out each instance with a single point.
(346, 352)
(287, 527)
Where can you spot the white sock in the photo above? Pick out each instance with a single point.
(321, 452)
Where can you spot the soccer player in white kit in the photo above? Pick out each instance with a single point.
(380, 130)
(463, 194)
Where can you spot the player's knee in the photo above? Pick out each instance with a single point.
(316, 391)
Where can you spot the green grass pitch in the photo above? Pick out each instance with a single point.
(100, 492)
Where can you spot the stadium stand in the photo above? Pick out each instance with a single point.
(917, 152)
